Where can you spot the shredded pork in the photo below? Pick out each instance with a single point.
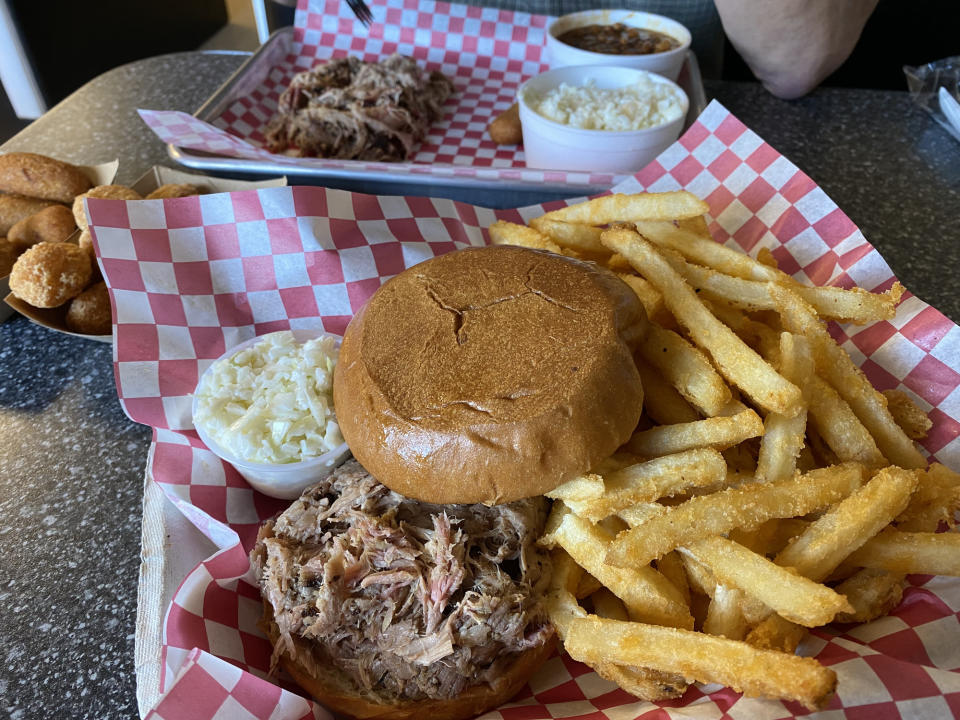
(348, 108)
(407, 599)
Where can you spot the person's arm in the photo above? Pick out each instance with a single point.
(792, 45)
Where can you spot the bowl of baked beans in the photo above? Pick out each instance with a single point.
(627, 38)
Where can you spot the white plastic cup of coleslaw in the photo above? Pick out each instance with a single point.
(266, 407)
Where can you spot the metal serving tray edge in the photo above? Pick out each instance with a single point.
(251, 74)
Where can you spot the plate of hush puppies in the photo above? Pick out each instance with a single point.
(45, 245)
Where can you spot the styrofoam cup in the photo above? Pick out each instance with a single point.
(551, 146)
(667, 63)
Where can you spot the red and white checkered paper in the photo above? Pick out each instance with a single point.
(190, 277)
(209, 687)
(486, 52)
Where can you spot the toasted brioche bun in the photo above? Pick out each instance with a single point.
(490, 374)
(335, 693)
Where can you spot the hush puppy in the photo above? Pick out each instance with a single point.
(105, 192)
(8, 255)
(14, 208)
(52, 224)
(174, 190)
(85, 241)
(505, 128)
(40, 176)
(89, 312)
(49, 274)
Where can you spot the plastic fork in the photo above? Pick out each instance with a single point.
(362, 11)
(950, 107)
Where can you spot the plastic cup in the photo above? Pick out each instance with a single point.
(286, 480)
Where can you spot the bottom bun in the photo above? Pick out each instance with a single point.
(333, 692)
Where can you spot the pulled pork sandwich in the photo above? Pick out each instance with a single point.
(409, 583)
(382, 606)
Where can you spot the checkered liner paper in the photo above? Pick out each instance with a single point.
(487, 53)
(191, 277)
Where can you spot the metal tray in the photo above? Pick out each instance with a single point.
(255, 70)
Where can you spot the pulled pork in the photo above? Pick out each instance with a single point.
(348, 108)
(407, 599)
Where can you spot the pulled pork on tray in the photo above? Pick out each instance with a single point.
(406, 599)
(351, 109)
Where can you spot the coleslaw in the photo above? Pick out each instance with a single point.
(272, 402)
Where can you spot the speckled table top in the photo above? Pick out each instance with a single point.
(71, 463)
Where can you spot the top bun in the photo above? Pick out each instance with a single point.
(490, 374)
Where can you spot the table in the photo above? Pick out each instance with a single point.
(72, 464)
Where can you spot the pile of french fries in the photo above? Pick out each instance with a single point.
(769, 488)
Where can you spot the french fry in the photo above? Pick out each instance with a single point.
(630, 208)
(794, 597)
(783, 436)
(646, 684)
(757, 335)
(775, 633)
(686, 368)
(832, 303)
(838, 369)
(583, 487)
(717, 432)
(724, 617)
(745, 506)
(840, 531)
(702, 587)
(704, 658)
(587, 586)
(871, 593)
(607, 605)
(653, 479)
(640, 513)
(705, 251)
(583, 238)
(671, 567)
(701, 579)
(697, 225)
(839, 427)
(649, 296)
(911, 553)
(619, 264)
(661, 401)
(650, 685)
(562, 608)
(765, 256)
(648, 595)
(735, 360)
(770, 537)
(936, 500)
(508, 233)
(561, 603)
(912, 420)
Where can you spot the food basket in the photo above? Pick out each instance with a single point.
(295, 257)
(55, 318)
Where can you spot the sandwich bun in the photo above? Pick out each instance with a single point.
(490, 374)
(337, 694)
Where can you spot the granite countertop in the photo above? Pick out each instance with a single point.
(72, 464)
